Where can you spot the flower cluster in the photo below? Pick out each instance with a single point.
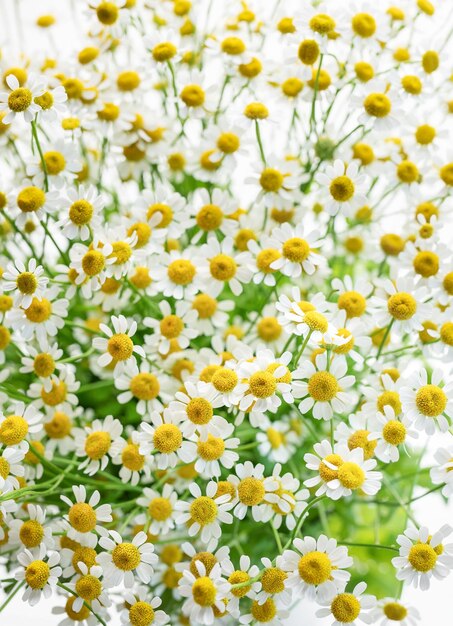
(226, 310)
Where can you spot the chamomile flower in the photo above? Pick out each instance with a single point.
(88, 588)
(97, 443)
(205, 513)
(205, 593)
(423, 556)
(276, 182)
(11, 467)
(161, 510)
(427, 401)
(84, 206)
(124, 560)
(390, 610)
(164, 437)
(297, 249)
(390, 433)
(251, 488)
(43, 363)
(28, 282)
(61, 163)
(20, 100)
(273, 584)
(31, 531)
(442, 472)
(141, 607)
(303, 317)
(402, 304)
(33, 203)
(119, 346)
(83, 517)
(142, 384)
(349, 607)
(316, 567)
(173, 329)
(179, 275)
(40, 571)
(224, 267)
(278, 442)
(19, 422)
(245, 572)
(345, 188)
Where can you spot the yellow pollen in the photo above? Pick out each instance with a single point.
(208, 560)
(271, 180)
(82, 517)
(203, 510)
(20, 99)
(37, 574)
(93, 262)
(236, 578)
(192, 96)
(265, 258)
(341, 188)
(446, 174)
(81, 212)
(171, 326)
(233, 46)
(13, 430)
(407, 172)
(364, 25)
(211, 449)
(82, 554)
(359, 439)
(316, 321)
(315, 568)
(164, 51)
(273, 580)
(30, 199)
(392, 244)
(222, 267)
(395, 611)
(141, 279)
(426, 263)
(88, 587)
(107, 13)
(326, 473)
(364, 71)
(262, 384)
(394, 432)
(425, 134)
(430, 61)
(205, 305)
(296, 249)
(377, 105)
(345, 608)
(27, 283)
(323, 386)
(55, 162)
(160, 509)
(97, 444)
(59, 426)
(269, 329)
(128, 81)
(126, 556)
(256, 111)
(31, 533)
(322, 23)
(351, 475)
(422, 557)
(181, 271)
(120, 347)
(167, 438)
(43, 365)
(131, 458)
(308, 52)
(228, 143)
(431, 400)
(204, 591)
(199, 411)
(209, 217)
(402, 306)
(141, 614)
(121, 252)
(145, 386)
(389, 398)
(39, 311)
(251, 69)
(265, 612)
(224, 380)
(412, 85)
(251, 491)
(171, 553)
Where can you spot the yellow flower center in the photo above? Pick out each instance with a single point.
(228, 143)
(141, 614)
(13, 430)
(271, 180)
(426, 263)
(55, 162)
(59, 426)
(205, 305)
(88, 587)
(351, 475)
(37, 574)
(394, 432)
(44, 365)
(412, 85)
(377, 105)
(407, 172)
(327, 473)
(341, 188)
(208, 560)
(296, 249)
(315, 568)
(273, 580)
(431, 400)
(251, 491)
(323, 386)
(265, 258)
(192, 96)
(262, 384)
(233, 46)
(345, 608)
(430, 61)
(446, 174)
(82, 517)
(199, 411)
(76, 616)
(209, 217)
(422, 557)
(389, 398)
(364, 25)
(160, 509)
(97, 444)
(145, 386)
(236, 578)
(223, 267)
(395, 611)
(171, 326)
(364, 71)
(141, 279)
(20, 99)
(93, 262)
(211, 449)
(353, 303)
(131, 458)
(126, 556)
(107, 13)
(322, 23)
(181, 271)
(30, 199)
(167, 438)
(224, 380)
(128, 81)
(265, 612)
(268, 329)
(251, 69)
(359, 439)
(392, 244)
(120, 347)
(85, 555)
(81, 212)
(256, 111)
(31, 533)
(164, 51)
(316, 321)
(308, 52)
(402, 306)
(204, 591)
(203, 510)
(447, 283)
(27, 283)
(122, 252)
(5, 337)
(425, 134)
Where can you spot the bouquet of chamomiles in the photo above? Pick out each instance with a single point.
(226, 309)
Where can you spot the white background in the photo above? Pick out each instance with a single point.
(434, 605)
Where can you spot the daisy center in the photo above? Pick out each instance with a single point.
(271, 180)
(211, 449)
(93, 262)
(316, 321)
(107, 13)
(264, 259)
(208, 560)
(269, 329)
(171, 326)
(426, 263)
(82, 517)
(446, 333)
(273, 580)
(256, 111)
(45, 101)
(192, 96)
(20, 99)
(165, 211)
(27, 283)
(160, 509)
(81, 212)
(126, 556)
(144, 386)
(43, 365)
(265, 612)
(394, 432)
(377, 105)
(59, 426)
(76, 616)
(402, 306)
(351, 475)
(395, 611)
(228, 143)
(181, 272)
(205, 305)
(308, 52)
(120, 347)
(164, 51)
(85, 555)
(31, 533)
(431, 400)
(88, 587)
(422, 557)
(251, 491)
(389, 398)
(236, 578)
(425, 134)
(323, 386)
(223, 267)
(392, 244)
(315, 568)
(322, 23)
(224, 380)
(31, 199)
(341, 188)
(364, 25)
(203, 510)
(131, 458)
(345, 347)
(122, 252)
(233, 46)
(204, 591)
(209, 217)
(326, 472)
(141, 614)
(97, 444)
(359, 439)
(407, 172)
(167, 438)
(4, 468)
(199, 411)
(13, 430)
(296, 249)
(262, 384)
(37, 574)
(55, 162)
(345, 608)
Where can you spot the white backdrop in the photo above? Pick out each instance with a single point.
(435, 604)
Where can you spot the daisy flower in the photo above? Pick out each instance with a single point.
(29, 282)
(345, 188)
(442, 472)
(276, 182)
(252, 489)
(297, 249)
(83, 517)
(278, 443)
(178, 275)
(165, 210)
(119, 346)
(265, 613)
(205, 513)
(89, 589)
(122, 560)
(97, 442)
(403, 304)
(316, 567)
(243, 574)
(62, 163)
(143, 385)
(213, 213)
(390, 610)
(173, 327)
(428, 401)
(350, 472)
(140, 606)
(89, 265)
(11, 467)
(40, 571)
(423, 556)
(164, 437)
(31, 532)
(216, 452)
(20, 100)
(264, 254)
(43, 363)
(322, 387)
(33, 204)
(161, 511)
(302, 317)
(43, 318)
(349, 607)
(224, 267)
(19, 422)
(206, 593)
(84, 208)
(52, 104)
(272, 584)
(134, 465)
(390, 433)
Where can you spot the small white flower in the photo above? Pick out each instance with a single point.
(83, 517)
(125, 559)
(119, 346)
(40, 571)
